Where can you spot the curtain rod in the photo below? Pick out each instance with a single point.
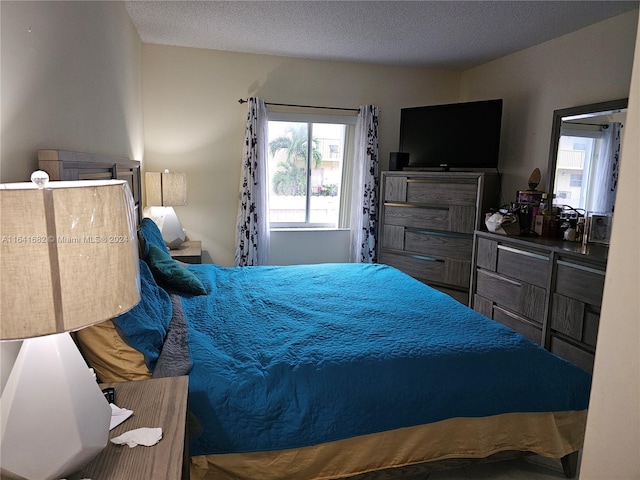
(242, 100)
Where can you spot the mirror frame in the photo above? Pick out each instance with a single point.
(558, 115)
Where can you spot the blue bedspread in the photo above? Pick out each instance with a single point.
(285, 357)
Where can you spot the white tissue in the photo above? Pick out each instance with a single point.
(118, 415)
(140, 436)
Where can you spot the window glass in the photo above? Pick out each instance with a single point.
(574, 169)
(305, 162)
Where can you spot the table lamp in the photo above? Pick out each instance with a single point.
(164, 191)
(69, 259)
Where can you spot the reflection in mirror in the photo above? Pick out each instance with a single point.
(585, 154)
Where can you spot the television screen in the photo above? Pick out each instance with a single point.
(457, 135)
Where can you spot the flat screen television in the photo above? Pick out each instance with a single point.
(457, 135)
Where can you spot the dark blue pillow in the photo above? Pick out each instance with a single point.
(151, 234)
(145, 326)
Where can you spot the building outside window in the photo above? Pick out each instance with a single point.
(574, 171)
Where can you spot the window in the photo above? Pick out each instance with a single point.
(577, 150)
(306, 163)
(575, 180)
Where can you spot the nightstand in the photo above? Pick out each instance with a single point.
(189, 252)
(160, 403)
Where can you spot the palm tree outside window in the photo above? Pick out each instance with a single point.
(305, 173)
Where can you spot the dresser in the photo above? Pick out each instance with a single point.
(548, 290)
(427, 224)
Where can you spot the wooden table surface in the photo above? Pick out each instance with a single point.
(155, 403)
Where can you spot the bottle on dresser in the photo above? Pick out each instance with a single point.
(547, 223)
(542, 218)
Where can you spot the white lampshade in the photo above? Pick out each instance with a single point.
(69, 259)
(164, 191)
(67, 256)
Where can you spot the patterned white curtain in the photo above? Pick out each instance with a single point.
(606, 181)
(252, 229)
(364, 206)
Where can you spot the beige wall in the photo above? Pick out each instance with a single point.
(73, 75)
(71, 79)
(613, 428)
(194, 124)
(587, 66)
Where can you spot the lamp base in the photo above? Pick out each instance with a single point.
(54, 416)
(169, 225)
(172, 231)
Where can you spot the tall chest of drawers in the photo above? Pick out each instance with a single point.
(427, 224)
(550, 291)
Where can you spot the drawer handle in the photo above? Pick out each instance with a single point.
(415, 205)
(581, 267)
(514, 316)
(440, 234)
(428, 259)
(522, 252)
(499, 277)
(507, 312)
(460, 181)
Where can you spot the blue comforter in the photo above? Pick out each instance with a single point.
(284, 357)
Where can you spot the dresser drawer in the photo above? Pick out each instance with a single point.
(575, 355)
(520, 297)
(575, 319)
(416, 217)
(461, 296)
(518, 323)
(482, 305)
(437, 244)
(425, 242)
(393, 237)
(583, 283)
(438, 192)
(486, 253)
(395, 189)
(591, 326)
(448, 271)
(527, 266)
(453, 218)
(523, 265)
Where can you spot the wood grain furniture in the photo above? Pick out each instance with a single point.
(189, 252)
(550, 291)
(155, 403)
(427, 224)
(65, 165)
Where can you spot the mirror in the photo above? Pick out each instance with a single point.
(584, 155)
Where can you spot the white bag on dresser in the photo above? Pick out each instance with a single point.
(502, 224)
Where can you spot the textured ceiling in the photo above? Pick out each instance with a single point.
(440, 34)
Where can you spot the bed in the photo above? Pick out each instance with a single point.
(329, 371)
(336, 371)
